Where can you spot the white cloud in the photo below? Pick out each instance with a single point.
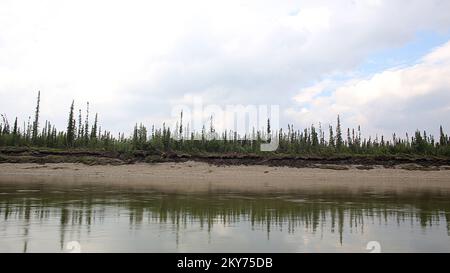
(395, 100)
(308, 94)
(309, 19)
(131, 59)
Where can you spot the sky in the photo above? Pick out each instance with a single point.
(381, 64)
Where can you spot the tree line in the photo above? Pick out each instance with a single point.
(81, 134)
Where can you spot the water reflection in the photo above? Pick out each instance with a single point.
(118, 219)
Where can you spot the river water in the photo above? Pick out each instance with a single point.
(47, 217)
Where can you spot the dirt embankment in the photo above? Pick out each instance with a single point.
(339, 162)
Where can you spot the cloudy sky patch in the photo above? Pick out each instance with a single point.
(381, 64)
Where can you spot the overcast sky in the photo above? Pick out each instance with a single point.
(382, 64)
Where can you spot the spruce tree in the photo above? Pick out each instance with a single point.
(359, 134)
(211, 128)
(15, 128)
(135, 137)
(314, 136)
(49, 135)
(86, 126)
(442, 138)
(36, 120)
(80, 128)
(70, 137)
(94, 128)
(331, 141)
(29, 129)
(349, 140)
(321, 135)
(181, 126)
(338, 134)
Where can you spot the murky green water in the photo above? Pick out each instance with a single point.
(44, 218)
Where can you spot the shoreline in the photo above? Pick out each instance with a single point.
(336, 162)
(198, 177)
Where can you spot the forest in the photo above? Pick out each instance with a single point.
(81, 134)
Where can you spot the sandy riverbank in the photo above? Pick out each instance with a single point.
(201, 177)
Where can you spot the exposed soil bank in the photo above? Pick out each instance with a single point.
(188, 177)
(407, 162)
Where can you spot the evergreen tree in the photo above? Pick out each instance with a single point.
(29, 129)
(15, 128)
(94, 128)
(36, 120)
(321, 135)
(314, 136)
(338, 134)
(442, 138)
(86, 126)
(15, 133)
(181, 125)
(211, 127)
(80, 127)
(135, 137)
(70, 137)
(331, 141)
(349, 140)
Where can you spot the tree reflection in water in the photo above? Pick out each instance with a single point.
(325, 212)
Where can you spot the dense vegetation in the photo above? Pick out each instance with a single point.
(80, 134)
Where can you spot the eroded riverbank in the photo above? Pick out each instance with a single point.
(337, 162)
